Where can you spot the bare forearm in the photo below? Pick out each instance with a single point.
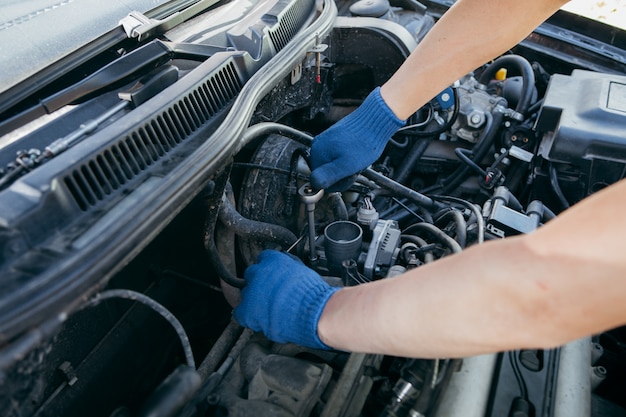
(454, 47)
(562, 282)
(461, 305)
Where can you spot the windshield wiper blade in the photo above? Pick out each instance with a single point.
(142, 59)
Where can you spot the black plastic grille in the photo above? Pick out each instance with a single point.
(290, 23)
(100, 176)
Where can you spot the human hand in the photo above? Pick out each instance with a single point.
(353, 143)
(283, 299)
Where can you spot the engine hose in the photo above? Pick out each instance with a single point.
(220, 349)
(480, 221)
(415, 153)
(149, 302)
(438, 233)
(223, 273)
(526, 71)
(459, 222)
(254, 229)
(421, 243)
(267, 128)
(213, 203)
(337, 206)
(492, 126)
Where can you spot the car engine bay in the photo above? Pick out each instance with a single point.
(128, 218)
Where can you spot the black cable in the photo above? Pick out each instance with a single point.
(408, 209)
(481, 149)
(149, 302)
(465, 157)
(554, 183)
(443, 128)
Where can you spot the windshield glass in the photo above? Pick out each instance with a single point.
(35, 33)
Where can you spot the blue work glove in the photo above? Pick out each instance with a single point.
(353, 143)
(283, 299)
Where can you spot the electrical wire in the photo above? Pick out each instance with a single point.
(465, 157)
(554, 183)
(148, 302)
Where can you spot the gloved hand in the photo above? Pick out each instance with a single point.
(283, 299)
(353, 143)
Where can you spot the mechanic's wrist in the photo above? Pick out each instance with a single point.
(396, 100)
(327, 324)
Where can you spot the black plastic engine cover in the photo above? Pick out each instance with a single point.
(583, 119)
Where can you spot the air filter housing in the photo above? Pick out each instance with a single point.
(583, 121)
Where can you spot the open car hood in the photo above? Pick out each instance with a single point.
(155, 162)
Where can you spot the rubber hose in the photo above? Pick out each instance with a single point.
(526, 71)
(254, 229)
(460, 224)
(438, 233)
(480, 150)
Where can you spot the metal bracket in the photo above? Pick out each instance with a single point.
(137, 24)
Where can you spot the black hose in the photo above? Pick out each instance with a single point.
(223, 273)
(481, 149)
(415, 153)
(337, 206)
(149, 302)
(526, 71)
(401, 190)
(214, 205)
(254, 229)
(554, 183)
(220, 349)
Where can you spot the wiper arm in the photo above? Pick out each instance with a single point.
(143, 59)
(146, 88)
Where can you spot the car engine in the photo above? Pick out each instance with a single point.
(128, 217)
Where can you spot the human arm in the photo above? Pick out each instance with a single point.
(564, 281)
(469, 34)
